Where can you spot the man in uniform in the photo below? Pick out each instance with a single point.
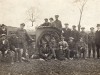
(91, 42)
(97, 40)
(52, 24)
(84, 35)
(24, 38)
(46, 23)
(57, 22)
(75, 34)
(66, 32)
(63, 49)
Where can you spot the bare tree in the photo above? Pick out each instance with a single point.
(32, 14)
(81, 6)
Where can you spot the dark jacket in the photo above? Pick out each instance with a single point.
(75, 34)
(97, 38)
(58, 24)
(72, 45)
(67, 33)
(4, 45)
(84, 36)
(91, 38)
(23, 36)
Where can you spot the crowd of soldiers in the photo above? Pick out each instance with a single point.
(73, 44)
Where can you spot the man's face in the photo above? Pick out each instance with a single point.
(22, 26)
(56, 17)
(66, 26)
(46, 20)
(83, 29)
(92, 30)
(74, 28)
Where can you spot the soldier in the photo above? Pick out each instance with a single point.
(97, 40)
(3, 29)
(81, 47)
(57, 22)
(64, 51)
(91, 42)
(52, 24)
(72, 48)
(66, 32)
(45, 52)
(84, 35)
(15, 46)
(46, 23)
(23, 38)
(53, 47)
(75, 34)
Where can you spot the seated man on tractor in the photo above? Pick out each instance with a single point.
(81, 47)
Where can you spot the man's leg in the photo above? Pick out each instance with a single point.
(98, 51)
(89, 50)
(19, 55)
(93, 47)
(84, 53)
(25, 51)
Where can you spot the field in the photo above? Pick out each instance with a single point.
(52, 67)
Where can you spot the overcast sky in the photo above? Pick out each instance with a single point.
(13, 12)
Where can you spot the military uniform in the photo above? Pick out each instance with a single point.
(58, 24)
(66, 33)
(84, 36)
(23, 38)
(97, 41)
(63, 50)
(75, 35)
(81, 47)
(91, 44)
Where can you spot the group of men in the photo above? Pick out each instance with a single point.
(15, 45)
(74, 43)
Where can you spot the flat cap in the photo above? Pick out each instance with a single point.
(82, 27)
(66, 24)
(22, 24)
(56, 15)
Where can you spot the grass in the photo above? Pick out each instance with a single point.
(52, 67)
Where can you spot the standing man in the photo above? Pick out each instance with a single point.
(75, 34)
(91, 42)
(66, 32)
(84, 35)
(57, 22)
(24, 38)
(97, 40)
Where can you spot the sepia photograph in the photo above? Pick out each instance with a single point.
(49, 37)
